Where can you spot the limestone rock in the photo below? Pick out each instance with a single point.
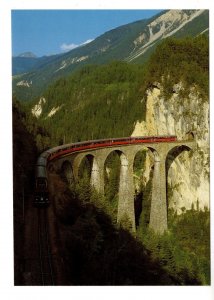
(188, 174)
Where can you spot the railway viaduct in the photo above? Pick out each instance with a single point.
(70, 165)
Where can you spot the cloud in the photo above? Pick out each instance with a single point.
(87, 42)
(67, 47)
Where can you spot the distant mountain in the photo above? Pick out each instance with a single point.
(133, 43)
(28, 61)
(24, 62)
(27, 54)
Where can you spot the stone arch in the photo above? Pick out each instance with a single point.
(155, 153)
(67, 171)
(51, 168)
(112, 168)
(143, 171)
(190, 135)
(170, 158)
(93, 173)
(115, 150)
(173, 153)
(86, 162)
(121, 156)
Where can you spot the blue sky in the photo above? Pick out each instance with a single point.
(46, 32)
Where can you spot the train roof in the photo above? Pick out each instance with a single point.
(44, 156)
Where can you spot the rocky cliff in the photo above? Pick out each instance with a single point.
(180, 114)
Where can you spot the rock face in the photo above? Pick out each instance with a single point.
(188, 173)
(162, 27)
(37, 109)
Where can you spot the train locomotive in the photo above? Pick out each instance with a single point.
(41, 198)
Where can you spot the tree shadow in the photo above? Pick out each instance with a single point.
(96, 252)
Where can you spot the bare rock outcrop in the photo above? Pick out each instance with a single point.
(183, 116)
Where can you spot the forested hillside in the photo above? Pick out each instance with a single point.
(181, 60)
(106, 101)
(92, 103)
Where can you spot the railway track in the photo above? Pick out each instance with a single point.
(45, 257)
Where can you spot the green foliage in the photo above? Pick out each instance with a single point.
(95, 252)
(143, 197)
(126, 223)
(184, 251)
(196, 26)
(99, 95)
(181, 60)
(139, 161)
(112, 176)
(39, 133)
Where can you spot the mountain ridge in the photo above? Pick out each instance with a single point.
(133, 42)
(27, 55)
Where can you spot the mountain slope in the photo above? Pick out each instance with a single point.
(133, 42)
(175, 23)
(103, 95)
(25, 63)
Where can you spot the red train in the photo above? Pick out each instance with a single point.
(41, 197)
(69, 148)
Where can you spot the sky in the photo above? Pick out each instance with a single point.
(46, 32)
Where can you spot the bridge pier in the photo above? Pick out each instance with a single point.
(126, 214)
(97, 175)
(158, 212)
